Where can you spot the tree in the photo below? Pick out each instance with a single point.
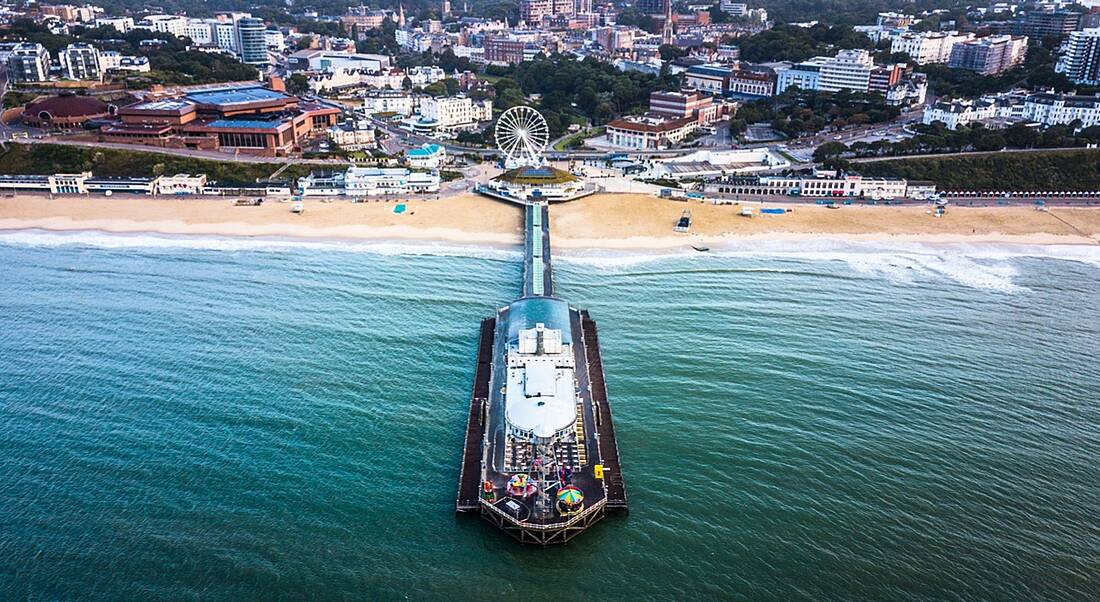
(297, 84)
(830, 150)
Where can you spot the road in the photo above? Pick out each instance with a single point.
(967, 154)
(178, 152)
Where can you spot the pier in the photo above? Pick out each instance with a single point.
(540, 459)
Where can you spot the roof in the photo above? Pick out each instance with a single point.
(427, 150)
(68, 106)
(236, 96)
(255, 124)
(534, 176)
(650, 125)
(173, 104)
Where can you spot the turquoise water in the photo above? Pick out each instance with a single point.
(215, 419)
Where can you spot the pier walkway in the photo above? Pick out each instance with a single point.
(538, 277)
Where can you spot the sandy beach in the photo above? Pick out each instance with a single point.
(622, 221)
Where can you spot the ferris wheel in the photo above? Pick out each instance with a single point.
(521, 134)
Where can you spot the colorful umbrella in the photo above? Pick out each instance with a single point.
(570, 496)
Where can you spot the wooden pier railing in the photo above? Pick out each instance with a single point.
(469, 480)
(609, 449)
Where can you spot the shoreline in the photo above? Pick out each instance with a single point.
(606, 222)
(568, 248)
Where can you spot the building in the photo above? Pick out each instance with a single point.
(363, 19)
(1053, 109)
(1081, 62)
(367, 181)
(429, 156)
(990, 55)
(928, 47)
(687, 103)
(28, 63)
(1039, 24)
(111, 61)
(533, 12)
(122, 24)
(848, 70)
(755, 82)
(275, 40)
(953, 114)
(503, 51)
(172, 24)
(736, 9)
(252, 41)
(244, 119)
(352, 135)
(390, 102)
(713, 79)
(81, 61)
(805, 76)
(456, 112)
(65, 112)
(180, 184)
(328, 60)
(648, 132)
(822, 183)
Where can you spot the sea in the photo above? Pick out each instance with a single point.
(200, 418)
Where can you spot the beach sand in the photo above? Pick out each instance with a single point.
(622, 221)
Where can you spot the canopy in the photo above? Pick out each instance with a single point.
(570, 496)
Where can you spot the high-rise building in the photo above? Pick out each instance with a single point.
(29, 63)
(1039, 24)
(251, 39)
(81, 61)
(533, 11)
(848, 70)
(1081, 63)
(989, 55)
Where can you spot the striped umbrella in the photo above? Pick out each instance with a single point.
(570, 496)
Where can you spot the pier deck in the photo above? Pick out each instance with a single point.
(469, 480)
(609, 447)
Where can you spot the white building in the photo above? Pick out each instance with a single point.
(172, 24)
(1052, 109)
(649, 133)
(848, 70)
(122, 24)
(352, 136)
(1081, 62)
(180, 184)
(804, 75)
(397, 102)
(113, 60)
(368, 181)
(823, 183)
(201, 31)
(929, 46)
(275, 40)
(429, 156)
(952, 114)
(81, 61)
(456, 112)
(736, 9)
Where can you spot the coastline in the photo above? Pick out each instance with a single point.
(613, 222)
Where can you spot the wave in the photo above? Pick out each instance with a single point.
(991, 266)
(150, 241)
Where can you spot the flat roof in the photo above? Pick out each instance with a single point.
(236, 96)
(162, 105)
(256, 124)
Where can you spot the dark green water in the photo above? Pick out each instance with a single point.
(227, 420)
